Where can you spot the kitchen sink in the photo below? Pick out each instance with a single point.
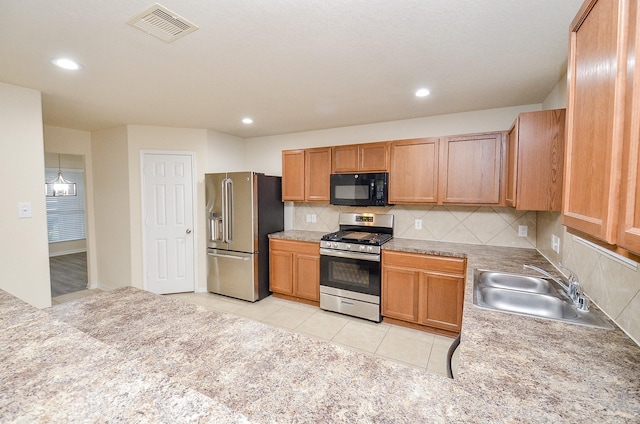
(525, 283)
(530, 296)
(527, 303)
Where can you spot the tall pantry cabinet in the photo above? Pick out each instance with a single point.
(601, 196)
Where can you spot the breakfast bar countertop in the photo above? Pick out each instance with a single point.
(130, 355)
(525, 369)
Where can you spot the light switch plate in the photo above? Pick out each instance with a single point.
(418, 224)
(24, 210)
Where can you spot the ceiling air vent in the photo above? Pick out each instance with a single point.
(162, 23)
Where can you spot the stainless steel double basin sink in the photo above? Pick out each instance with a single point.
(530, 296)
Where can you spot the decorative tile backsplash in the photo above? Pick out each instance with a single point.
(610, 283)
(493, 226)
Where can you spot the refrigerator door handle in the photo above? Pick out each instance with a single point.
(229, 210)
(225, 217)
(239, 258)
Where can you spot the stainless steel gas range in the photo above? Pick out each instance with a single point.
(350, 265)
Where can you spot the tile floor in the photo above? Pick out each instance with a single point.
(409, 347)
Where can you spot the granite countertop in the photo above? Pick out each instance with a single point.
(54, 372)
(129, 355)
(570, 372)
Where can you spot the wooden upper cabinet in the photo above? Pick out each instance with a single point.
(535, 156)
(373, 157)
(344, 158)
(369, 157)
(305, 175)
(293, 179)
(512, 165)
(317, 172)
(597, 59)
(471, 169)
(629, 224)
(413, 171)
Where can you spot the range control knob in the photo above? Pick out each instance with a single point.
(334, 245)
(370, 248)
(363, 248)
(348, 246)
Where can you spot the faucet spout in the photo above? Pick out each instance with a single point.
(546, 274)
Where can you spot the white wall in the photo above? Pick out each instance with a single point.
(225, 153)
(77, 143)
(166, 139)
(110, 157)
(24, 256)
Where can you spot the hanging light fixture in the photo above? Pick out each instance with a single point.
(59, 186)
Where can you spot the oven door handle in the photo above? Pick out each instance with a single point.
(350, 255)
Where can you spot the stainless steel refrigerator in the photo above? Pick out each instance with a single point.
(242, 209)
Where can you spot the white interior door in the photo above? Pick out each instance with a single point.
(167, 190)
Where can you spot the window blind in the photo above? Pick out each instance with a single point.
(65, 214)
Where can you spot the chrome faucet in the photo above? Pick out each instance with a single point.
(573, 288)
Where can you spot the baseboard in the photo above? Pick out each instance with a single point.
(67, 252)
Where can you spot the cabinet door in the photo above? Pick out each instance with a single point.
(344, 158)
(471, 169)
(440, 301)
(373, 157)
(293, 171)
(281, 271)
(307, 277)
(318, 171)
(629, 225)
(400, 293)
(535, 156)
(413, 174)
(594, 128)
(512, 165)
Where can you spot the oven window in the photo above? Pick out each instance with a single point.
(351, 192)
(350, 274)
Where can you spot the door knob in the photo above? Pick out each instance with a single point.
(188, 231)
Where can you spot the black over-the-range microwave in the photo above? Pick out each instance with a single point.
(370, 189)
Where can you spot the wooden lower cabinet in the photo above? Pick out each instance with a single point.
(423, 289)
(294, 269)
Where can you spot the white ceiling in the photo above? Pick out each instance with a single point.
(292, 65)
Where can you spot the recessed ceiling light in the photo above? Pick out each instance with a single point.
(247, 121)
(66, 64)
(423, 92)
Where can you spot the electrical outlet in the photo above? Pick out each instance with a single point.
(314, 217)
(418, 224)
(308, 217)
(555, 243)
(523, 230)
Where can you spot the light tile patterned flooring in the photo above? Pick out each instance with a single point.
(409, 347)
(403, 345)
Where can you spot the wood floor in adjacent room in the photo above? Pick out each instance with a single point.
(68, 273)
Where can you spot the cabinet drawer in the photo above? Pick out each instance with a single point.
(300, 247)
(445, 264)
